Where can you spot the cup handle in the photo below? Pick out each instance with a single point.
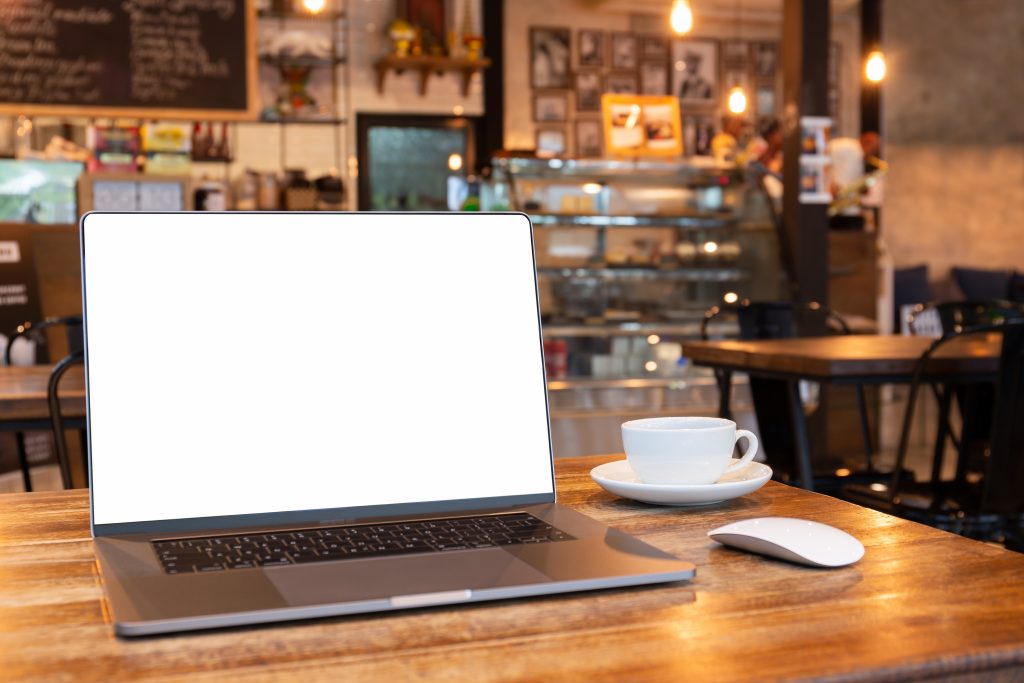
(748, 454)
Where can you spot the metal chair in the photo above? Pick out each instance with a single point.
(779, 320)
(974, 401)
(73, 325)
(57, 418)
(993, 506)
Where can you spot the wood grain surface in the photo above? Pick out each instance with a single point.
(862, 356)
(920, 604)
(23, 392)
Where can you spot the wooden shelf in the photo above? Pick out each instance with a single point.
(427, 66)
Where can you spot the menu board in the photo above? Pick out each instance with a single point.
(190, 59)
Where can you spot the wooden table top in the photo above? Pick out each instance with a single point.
(23, 392)
(921, 603)
(847, 356)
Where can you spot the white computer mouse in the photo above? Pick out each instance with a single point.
(797, 540)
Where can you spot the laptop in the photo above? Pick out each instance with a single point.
(296, 415)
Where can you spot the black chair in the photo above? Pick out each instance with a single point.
(57, 418)
(991, 508)
(73, 328)
(771, 397)
(973, 400)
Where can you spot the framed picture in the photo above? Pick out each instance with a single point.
(764, 100)
(641, 125)
(549, 57)
(588, 91)
(550, 142)
(623, 51)
(766, 58)
(698, 130)
(735, 53)
(591, 47)
(588, 138)
(654, 78)
(624, 82)
(551, 107)
(654, 47)
(695, 71)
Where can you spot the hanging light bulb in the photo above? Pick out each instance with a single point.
(313, 6)
(737, 100)
(874, 67)
(681, 17)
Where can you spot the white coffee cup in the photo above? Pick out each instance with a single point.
(684, 450)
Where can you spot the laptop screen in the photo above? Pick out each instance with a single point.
(244, 364)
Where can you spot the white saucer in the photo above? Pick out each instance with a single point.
(620, 479)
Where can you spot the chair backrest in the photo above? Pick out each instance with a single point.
(73, 324)
(57, 418)
(775, 319)
(956, 316)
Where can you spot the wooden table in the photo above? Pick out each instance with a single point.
(848, 359)
(921, 604)
(23, 396)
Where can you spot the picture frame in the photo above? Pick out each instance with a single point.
(549, 57)
(622, 83)
(641, 125)
(551, 107)
(735, 53)
(653, 48)
(588, 138)
(550, 142)
(653, 78)
(764, 100)
(698, 131)
(591, 48)
(766, 59)
(695, 71)
(588, 91)
(624, 51)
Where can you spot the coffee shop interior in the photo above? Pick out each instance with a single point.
(804, 216)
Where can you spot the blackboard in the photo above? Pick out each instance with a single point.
(186, 59)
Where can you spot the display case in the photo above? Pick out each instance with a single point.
(630, 256)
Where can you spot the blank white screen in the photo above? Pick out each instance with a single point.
(210, 392)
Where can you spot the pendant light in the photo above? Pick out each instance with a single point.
(874, 67)
(737, 101)
(681, 18)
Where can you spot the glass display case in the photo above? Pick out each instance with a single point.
(630, 256)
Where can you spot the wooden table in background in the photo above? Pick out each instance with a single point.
(845, 359)
(23, 396)
(921, 604)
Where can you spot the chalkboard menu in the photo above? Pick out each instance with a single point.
(190, 59)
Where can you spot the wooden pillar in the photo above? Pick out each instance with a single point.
(491, 136)
(805, 39)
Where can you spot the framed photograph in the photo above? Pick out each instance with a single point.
(698, 130)
(549, 57)
(654, 78)
(766, 59)
(550, 142)
(590, 47)
(654, 47)
(553, 107)
(641, 125)
(695, 71)
(619, 83)
(764, 100)
(735, 53)
(588, 138)
(588, 91)
(624, 51)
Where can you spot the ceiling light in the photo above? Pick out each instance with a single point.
(874, 67)
(681, 17)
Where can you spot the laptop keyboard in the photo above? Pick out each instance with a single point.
(219, 553)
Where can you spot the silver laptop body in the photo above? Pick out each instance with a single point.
(289, 380)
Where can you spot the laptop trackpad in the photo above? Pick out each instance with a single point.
(369, 579)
